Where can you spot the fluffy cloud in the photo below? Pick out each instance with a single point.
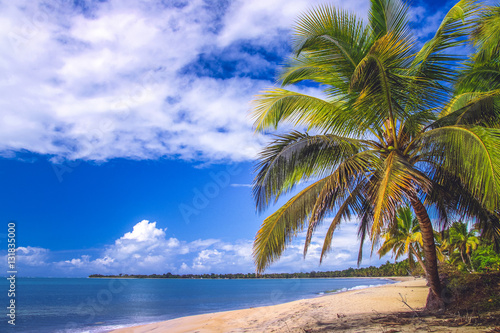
(98, 80)
(261, 19)
(144, 248)
(31, 256)
(147, 250)
(142, 232)
(138, 79)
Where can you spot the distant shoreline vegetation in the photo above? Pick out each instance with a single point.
(385, 270)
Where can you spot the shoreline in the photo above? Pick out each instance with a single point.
(395, 278)
(300, 314)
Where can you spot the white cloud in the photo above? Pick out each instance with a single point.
(144, 231)
(109, 81)
(234, 258)
(144, 247)
(79, 262)
(428, 22)
(259, 19)
(32, 256)
(207, 258)
(202, 243)
(104, 261)
(241, 185)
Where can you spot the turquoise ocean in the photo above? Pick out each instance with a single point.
(98, 305)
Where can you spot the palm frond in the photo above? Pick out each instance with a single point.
(431, 61)
(471, 108)
(279, 105)
(488, 223)
(296, 156)
(394, 183)
(381, 83)
(471, 154)
(388, 16)
(308, 67)
(478, 77)
(451, 197)
(487, 34)
(363, 229)
(344, 190)
(355, 203)
(436, 62)
(331, 33)
(278, 230)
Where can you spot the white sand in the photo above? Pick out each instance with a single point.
(304, 315)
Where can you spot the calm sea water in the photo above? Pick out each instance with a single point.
(98, 305)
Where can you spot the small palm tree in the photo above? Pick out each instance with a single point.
(404, 237)
(461, 242)
(386, 133)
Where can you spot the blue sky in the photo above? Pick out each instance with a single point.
(125, 141)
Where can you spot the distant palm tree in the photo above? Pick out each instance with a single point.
(461, 241)
(404, 237)
(378, 138)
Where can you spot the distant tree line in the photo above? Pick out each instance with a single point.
(387, 269)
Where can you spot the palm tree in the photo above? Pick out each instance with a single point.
(378, 138)
(461, 241)
(404, 237)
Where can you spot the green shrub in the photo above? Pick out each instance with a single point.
(485, 259)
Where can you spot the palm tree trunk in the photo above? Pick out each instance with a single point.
(470, 262)
(434, 300)
(463, 259)
(419, 259)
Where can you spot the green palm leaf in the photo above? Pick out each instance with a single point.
(395, 181)
(294, 157)
(328, 32)
(279, 105)
(344, 190)
(487, 34)
(430, 61)
(355, 203)
(279, 229)
(472, 154)
(388, 16)
(432, 64)
(471, 108)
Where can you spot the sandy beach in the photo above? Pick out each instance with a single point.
(351, 311)
(375, 309)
